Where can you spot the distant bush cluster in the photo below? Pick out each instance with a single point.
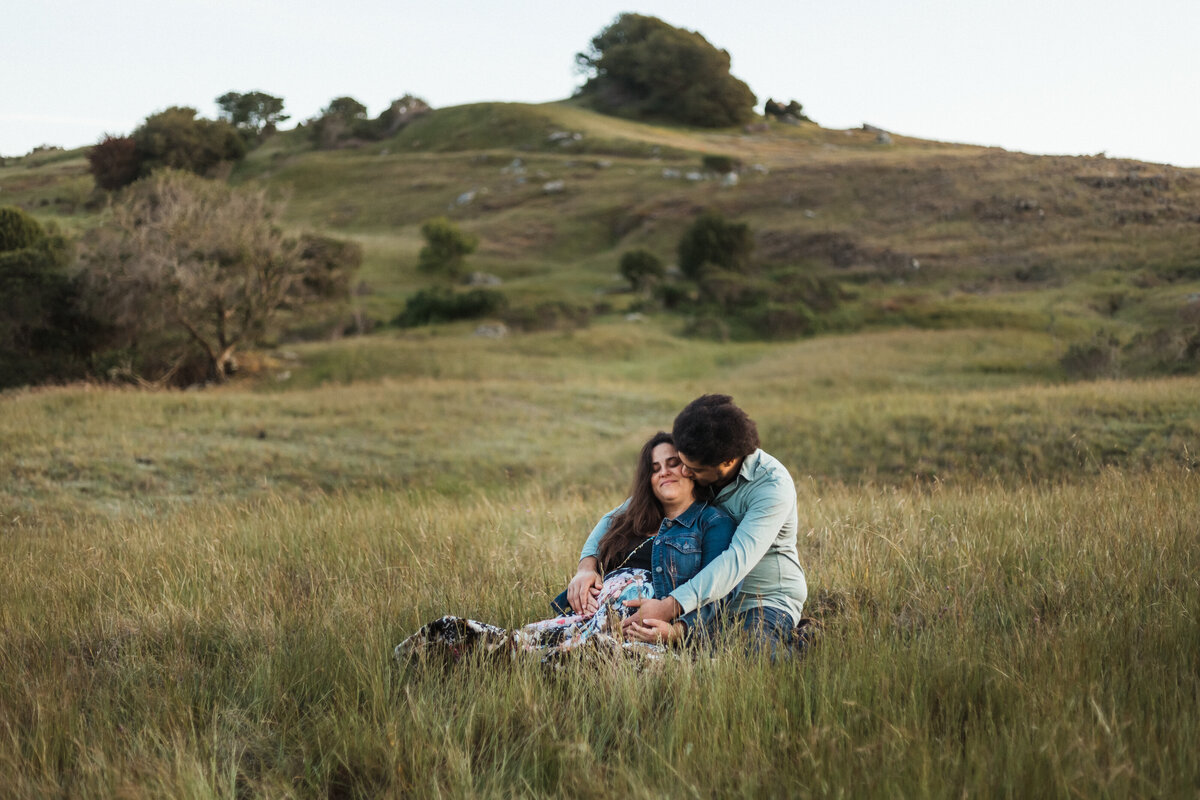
(177, 138)
(174, 139)
(344, 121)
(726, 292)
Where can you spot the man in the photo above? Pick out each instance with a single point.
(719, 447)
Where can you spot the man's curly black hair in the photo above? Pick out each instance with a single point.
(712, 430)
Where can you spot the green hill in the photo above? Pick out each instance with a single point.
(917, 232)
(912, 232)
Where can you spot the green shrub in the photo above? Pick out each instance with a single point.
(445, 249)
(18, 230)
(441, 304)
(44, 333)
(721, 164)
(711, 239)
(177, 139)
(641, 268)
(673, 296)
(114, 162)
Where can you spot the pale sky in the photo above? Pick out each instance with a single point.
(1038, 76)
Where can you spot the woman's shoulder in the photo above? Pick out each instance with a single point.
(711, 514)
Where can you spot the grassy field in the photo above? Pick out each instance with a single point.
(202, 589)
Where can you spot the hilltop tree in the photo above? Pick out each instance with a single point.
(346, 108)
(640, 66)
(190, 264)
(445, 248)
(252, 113)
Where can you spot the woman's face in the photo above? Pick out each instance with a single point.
(666, 475)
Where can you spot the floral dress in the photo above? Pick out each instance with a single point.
(552, 640)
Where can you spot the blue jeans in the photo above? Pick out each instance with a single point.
(766, 629)
(560, 606)
(769, 631)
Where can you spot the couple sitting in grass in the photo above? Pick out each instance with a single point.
(704, 546)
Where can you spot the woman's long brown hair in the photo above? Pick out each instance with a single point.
(642, 517)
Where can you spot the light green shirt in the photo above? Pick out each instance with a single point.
(762, 556)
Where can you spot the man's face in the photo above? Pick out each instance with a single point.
(704, 474)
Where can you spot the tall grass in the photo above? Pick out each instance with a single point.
(202, 589)
(979, 639)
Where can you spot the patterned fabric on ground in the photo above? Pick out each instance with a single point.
(552, 640)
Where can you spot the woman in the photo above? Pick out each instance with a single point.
(659, 538)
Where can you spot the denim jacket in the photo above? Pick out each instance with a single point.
(682, 547)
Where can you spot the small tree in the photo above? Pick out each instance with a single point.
(190, 263)
(252, 113)
(445, 249)
(641, 268)
(711, 239)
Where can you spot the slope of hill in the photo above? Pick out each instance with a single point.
(915, 233)
(921, 233)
